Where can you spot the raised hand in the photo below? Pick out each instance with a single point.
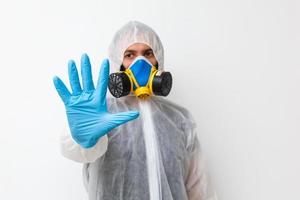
(86, 106)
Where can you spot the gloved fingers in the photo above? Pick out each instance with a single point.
(61, 89)
(102, 81)
(86, 73)
(74, 78)
(123, 117)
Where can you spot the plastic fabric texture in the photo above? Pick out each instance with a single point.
(121, 173)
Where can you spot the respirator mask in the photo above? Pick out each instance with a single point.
(142, 79)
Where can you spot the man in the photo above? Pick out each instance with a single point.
(114, 156)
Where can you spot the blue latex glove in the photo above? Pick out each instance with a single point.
(86, 108)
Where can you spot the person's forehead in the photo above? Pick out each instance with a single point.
(138, 47)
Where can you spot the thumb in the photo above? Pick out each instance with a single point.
(123, 117)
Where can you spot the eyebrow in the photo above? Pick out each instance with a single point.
(134, 51)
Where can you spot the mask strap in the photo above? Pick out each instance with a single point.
(150, 81)
(132, 79)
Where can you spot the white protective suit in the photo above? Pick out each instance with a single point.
(116, 168)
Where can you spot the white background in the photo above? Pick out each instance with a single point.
(235, 64)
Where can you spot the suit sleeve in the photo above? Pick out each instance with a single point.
(198, 185)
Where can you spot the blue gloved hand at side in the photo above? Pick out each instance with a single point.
(86, 108)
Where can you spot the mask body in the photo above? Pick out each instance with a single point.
(142, 79)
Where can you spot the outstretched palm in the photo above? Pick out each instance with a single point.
(86, 108)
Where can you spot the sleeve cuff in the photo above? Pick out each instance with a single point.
(73, 151)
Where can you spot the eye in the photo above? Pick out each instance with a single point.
(128, 55)
(149, 53)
